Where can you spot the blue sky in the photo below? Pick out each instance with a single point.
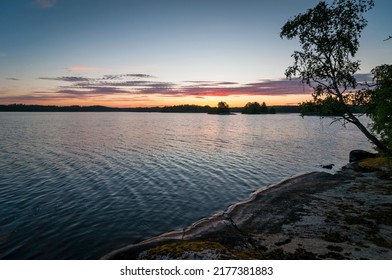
(154, 53)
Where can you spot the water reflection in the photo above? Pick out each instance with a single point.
(77, 185)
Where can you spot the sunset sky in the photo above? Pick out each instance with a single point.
(126, 53)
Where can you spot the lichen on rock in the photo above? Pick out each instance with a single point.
(311, 216)
(195, 250)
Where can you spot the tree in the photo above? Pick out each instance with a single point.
(256, 108)
(264, 108)
(222, 109)
(389, 38)
(252, 108)
(329, 37)
(378, 103)
(223, 105)
(272, 110)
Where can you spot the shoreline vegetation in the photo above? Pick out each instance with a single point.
(186, 108)
(249, 108)
(316, 215)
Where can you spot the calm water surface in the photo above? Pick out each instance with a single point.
(78, 185)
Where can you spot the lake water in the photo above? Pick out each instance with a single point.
(78, 185)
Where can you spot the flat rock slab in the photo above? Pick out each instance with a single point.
(318, 215)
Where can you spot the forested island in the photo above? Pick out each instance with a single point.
(256, 109)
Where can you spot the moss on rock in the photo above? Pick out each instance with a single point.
(381, 164)
(198, 250)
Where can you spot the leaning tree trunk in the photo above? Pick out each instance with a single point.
(353, 119)
(369, 135)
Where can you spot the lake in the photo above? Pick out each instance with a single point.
(78, 185)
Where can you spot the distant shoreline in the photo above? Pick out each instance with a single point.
(97, 108)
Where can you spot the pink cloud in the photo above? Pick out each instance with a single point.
(81, 68)
(134, 86)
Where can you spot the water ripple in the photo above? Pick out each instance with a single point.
(75, 186)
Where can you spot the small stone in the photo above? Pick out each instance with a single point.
(328, 166)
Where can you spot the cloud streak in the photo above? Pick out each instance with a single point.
(133, 86)
(66, 79)
(143, 84)
(139, 86)
(209, 88)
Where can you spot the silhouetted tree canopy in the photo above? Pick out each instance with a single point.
(222, 109)
(186, 109)
(73, 108)
(329, 38)
(264, 108)
(256, 108)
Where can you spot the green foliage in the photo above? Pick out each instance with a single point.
(379, 103)
(328, 106)
(329, 38)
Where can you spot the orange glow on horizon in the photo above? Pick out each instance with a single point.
(161, 101)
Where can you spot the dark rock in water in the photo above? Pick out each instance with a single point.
(356, 155)
(328, 166)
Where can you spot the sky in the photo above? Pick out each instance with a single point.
(126, 53)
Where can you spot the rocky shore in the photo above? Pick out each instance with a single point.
(347, 215)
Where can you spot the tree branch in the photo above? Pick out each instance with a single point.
(390, 37)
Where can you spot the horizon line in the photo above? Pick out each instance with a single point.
(139, 107)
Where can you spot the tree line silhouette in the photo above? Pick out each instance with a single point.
(222, 108)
